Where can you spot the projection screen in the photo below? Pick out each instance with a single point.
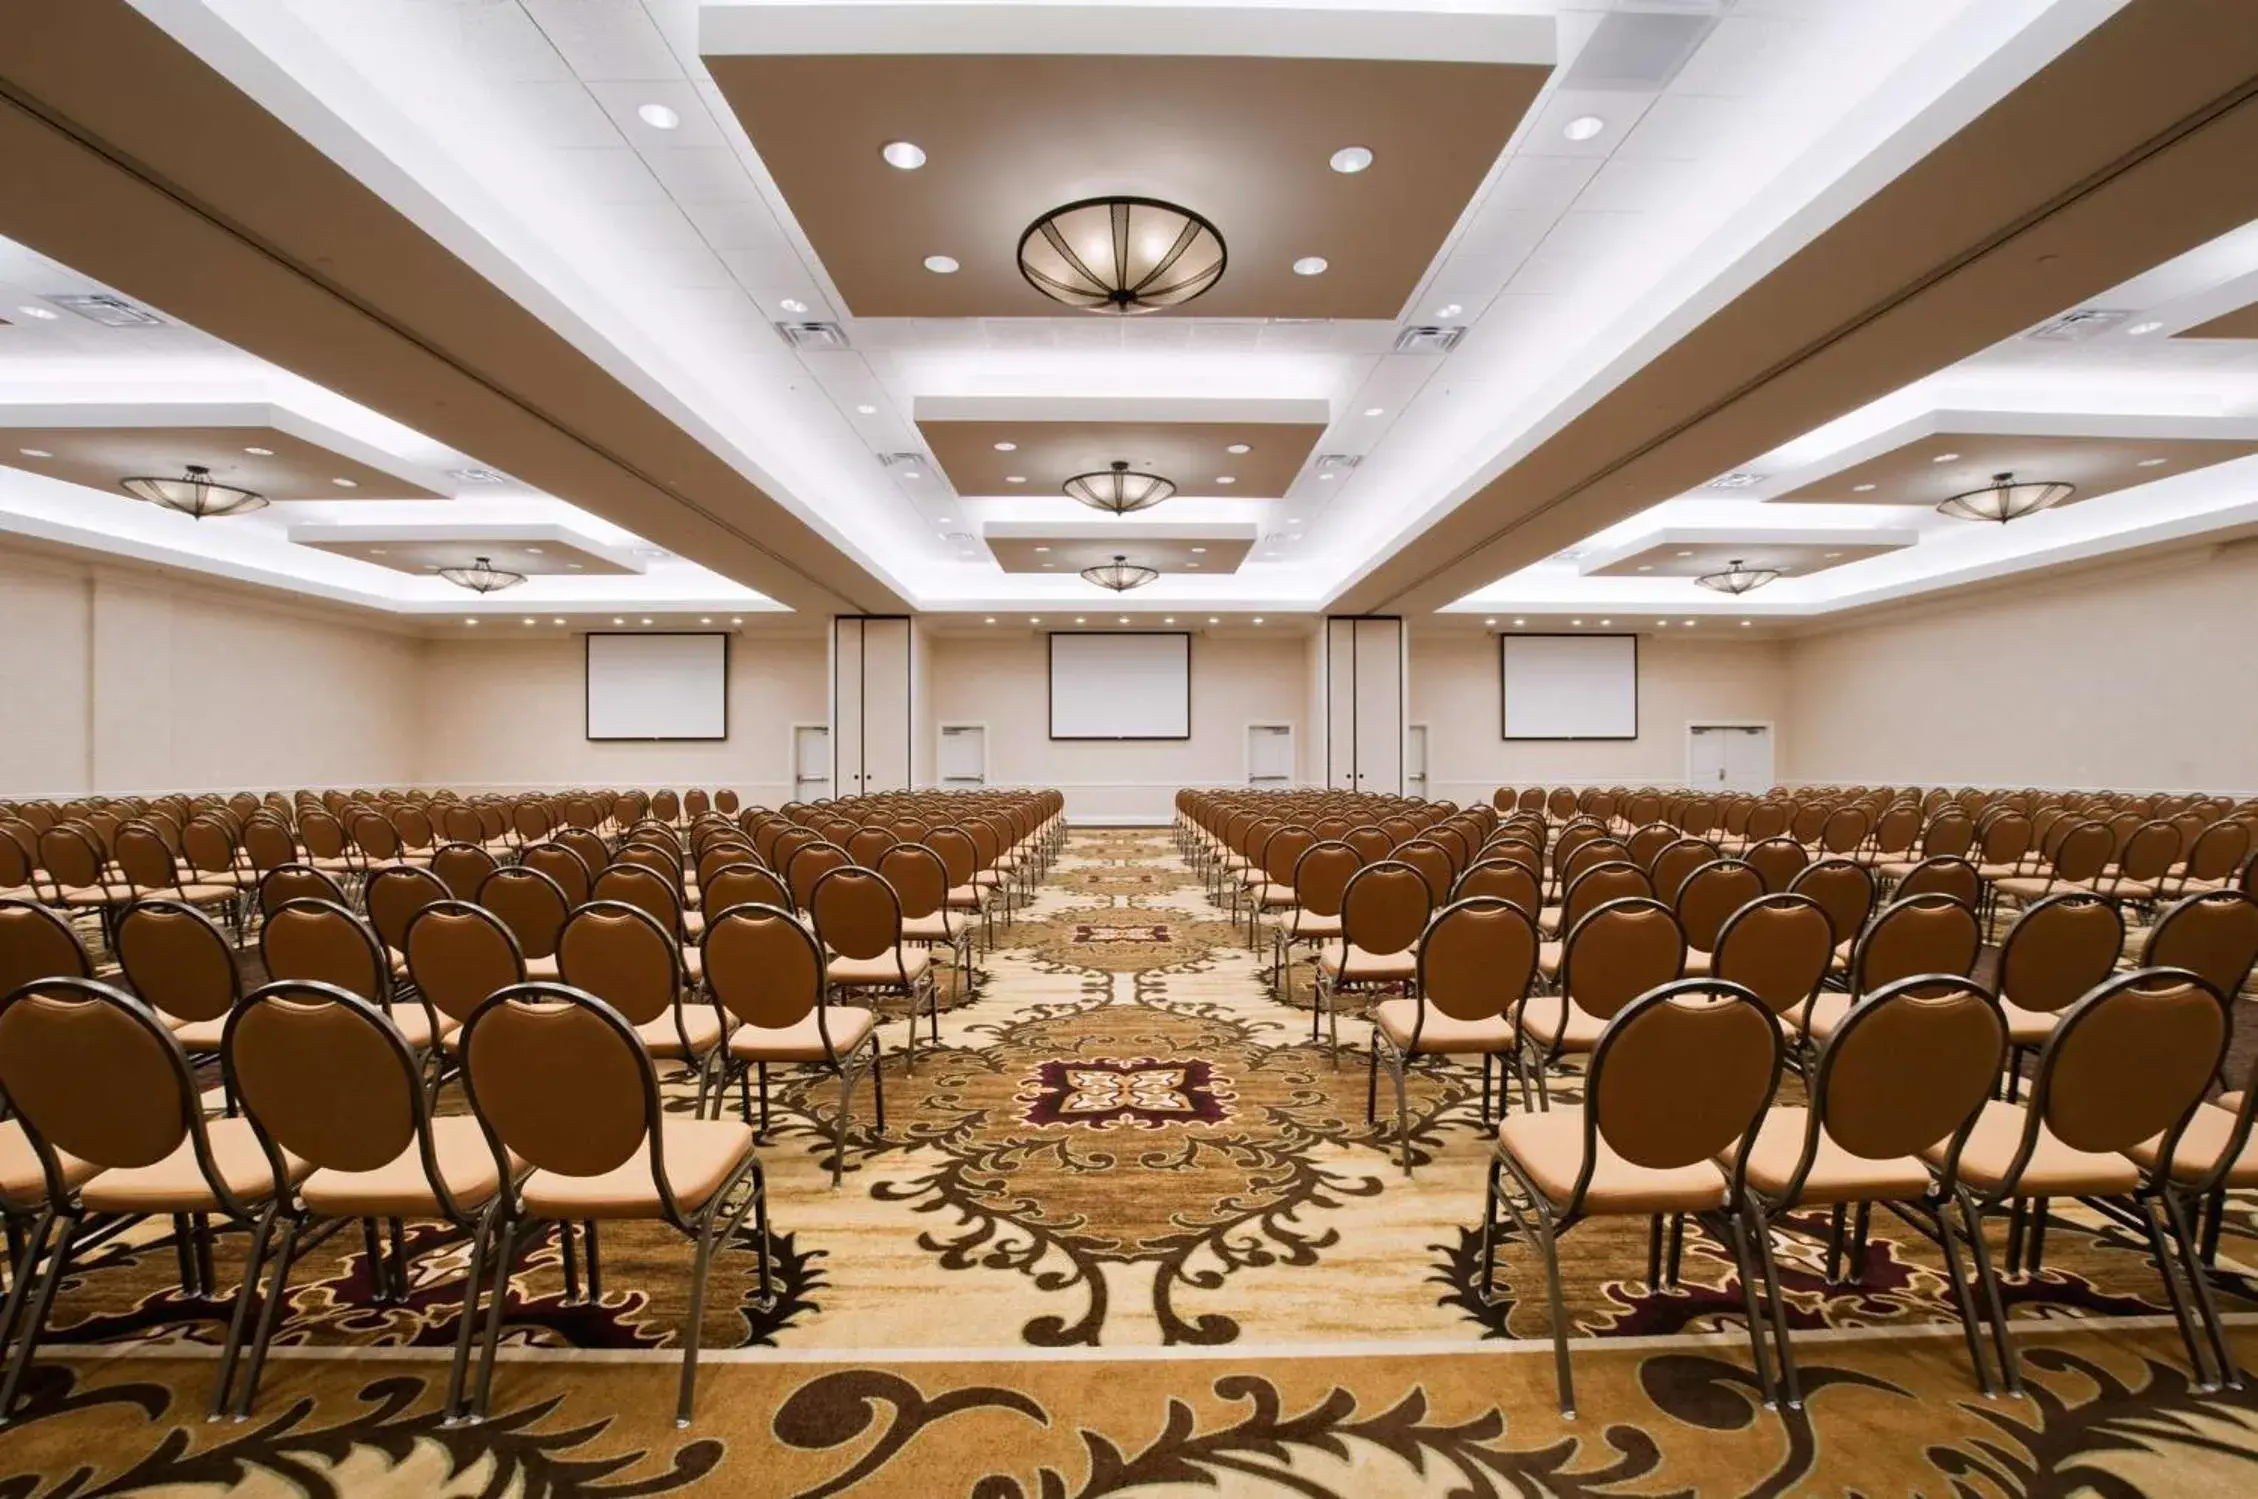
(646, 686)
(1570, 686)
(1121, 686)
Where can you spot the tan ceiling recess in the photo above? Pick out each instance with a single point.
(290, 469)
(1933, 469)
(2240, 323)
(1069, 555)
(1244, 141)
(1691, 559)
(1196, 456)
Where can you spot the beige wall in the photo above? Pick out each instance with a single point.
(1004, 683)
(1455, 689)
(2139, 677)
(121, 680)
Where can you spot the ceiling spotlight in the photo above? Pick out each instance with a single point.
(1605, 623)
(1448, 310)
(482, 576)
(1211, 619)
(1489, 621)
(1861, 489)
(1829, 556)
(195, 493)
(1350, 160)
(35, 452)
(378, 552)
(43, 314)
(1007, 447)
(1015, 478)
(529, 619)
(536, 551)
(945, 520)
(1689, 624)
(1310, 265)
(1237, 448)
(903, 155)
(1170, 620)
(1042, 549)
(1325, 478)
(913, 473)
(1120, 575)
(1662, 624)
(346, 483)
(991, 619)
(646, 621)
(941, 265)
(1738, 578)
(736, 620)
(556, 621)
(659, 117)
(260, 452)
(617, 620)
(1573, 622)
(2138, 329)
(2152, 462)
(1520, 622)
(470, 621)
(1124, 619)
(1258, 619)
(706, 621)
(1034, 619)
(1121, 256)
(1375, 410)
(2004, 500)
(1197, 550)
(793, 304)
(1225, 479)
(1945, 458)
(1118, 490)
(1078, 619)
(867, 409)
(1583, 127)
(1745, 624)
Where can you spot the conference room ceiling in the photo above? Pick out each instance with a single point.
(535, 551)
(280, 465)
(1935, 468)
(1613, 269)
(1052, 552)
(1691, 553)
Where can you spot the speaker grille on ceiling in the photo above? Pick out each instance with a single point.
(1637, 51)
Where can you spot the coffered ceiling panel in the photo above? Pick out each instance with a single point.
(536, 551)
(1035, 457)
(1938, 466)
(1244, 141)
(1067, 555)
(2240, 323)
(1689, 553)
(274, 463)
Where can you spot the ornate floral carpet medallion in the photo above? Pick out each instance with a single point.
(1128, 1233)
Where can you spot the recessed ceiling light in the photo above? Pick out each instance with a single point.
(1645, 567)
(1831, 554)
(735, 620)
(2153, 462)
(1662, 624)
(2138, 329)
(1034, 619)
(1520, 621)
(945, 520)
(556, 621)
(991, 619)
(1007, 447)
(706, 621)
(1050, 564)
(44, 314)
(1293, 520)
(1225, 479)
(1685, 554)
(1489, 621)
(1583, 127)
(574, 566)
(1449, 309)
(346, 483)
(1861, 489)
(1211, 619)
(529, 619)
(1015, 478)
(470, 621)
(1689, 624)
(1324, 478)
(906, 156)
(1944, 458)
(867, 409)
(1350, 160)
(646, 621)
(536, 551)
(1124, 619)
(913, 473)
(1374, 410)
(1238, 447)
(793, 304)
(378, 552)
(1573, 621)
(1606, 622)
(260, 452)
(941, 265)
(659, 117)
(1078, 619)
(1258, 619)
(1191, 564)
(1744, 624)
(1310, 265)
(617, 620)
(1199, 549)
(1042, 549)
(35, 452)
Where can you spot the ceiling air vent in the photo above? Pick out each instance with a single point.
(813, 337)
(2085, 322)
(1633, 51)
(1741, 480)
(1429, 338)
(902, 463)
(478, 476)
(1337, 463)
(110, 311)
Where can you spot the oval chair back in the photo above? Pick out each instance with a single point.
(1682, 1074)
(624, 956)
(644, 888)
(857, 914)
(393, 895)
(1385, 907)
(1620, 951)
(1844, 888)
(182, 965)
(809, 864)
(36, 942)
(530, 904)
(740, 885)
(1501, 879)
(1322, 874)
(1602, 883)
(2058, 951)
(322, 942)
(1920, 934)
(564, 864)
(288, 882)
(1477, 959)
(462, 868)
(458, 954)
(1778, 861)
(2213, 933)
(1432, 861)
(1710, 895)
(1943, 874)
(1779, 948)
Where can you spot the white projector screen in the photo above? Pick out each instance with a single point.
(1121, 686)
(1570, 686)
(658, 686)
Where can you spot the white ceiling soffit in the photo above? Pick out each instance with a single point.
(164, 414)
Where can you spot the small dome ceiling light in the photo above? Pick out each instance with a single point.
(1738, 578)
(1119, 575)
(195, 493)
(2004, 499)
(1119, 489)
(482, 576)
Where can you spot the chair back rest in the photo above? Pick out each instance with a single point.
(1619, 952)
(1284, 851)
(1477, 958)
(2131, 1060)
(765, 967)
(1682, 1072)
(1675, 863)
(36, 942)
(1778, 947)
(288, 882)
(1589, 853)
(661, 859)
(1778, 861)
(461, 824)
(563, 864)
(2059, 950)
(866, 845)
(1710, 895)
(594, 852)
(1909, 1067)
(2083, 852)
(93, 1073)
(1502, 879)
(325, 1075)
(1602, 883)
(813, 861)
(560, 1078)
(1844, 829)
(957, 851)
(2218, 851)
(321, 941)
(2149, 853)
(375, 836)
(1385, 907)
(1433, 862)
(645, 888)
(530, 904)
(2005, 837)
(666, 807)
(1920, 934)
(1844, 888)
(919, 879)
(462, 868)
(742, 884)
(624, 956)
(1371, 843)
(1943, 874)
(177, 960)
(2213, 933)
(144, 858)
(393, 895)
(856, 912)
(1322, 875)
(71, 856)
(459, 953)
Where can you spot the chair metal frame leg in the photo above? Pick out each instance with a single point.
(246, 1291)
(278, 1287)
(22, 1273)
(473, 1287)
(1972, 1220)
(58, 1260)
(2176, 1210)
(1947, 1239)
(2181, 1313)
(1745, 1264)
(1791, 1379)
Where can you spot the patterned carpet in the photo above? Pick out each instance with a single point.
(1128, 1233)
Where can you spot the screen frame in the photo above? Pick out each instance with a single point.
(1505, 735)
(1050, 707)
(587, 690)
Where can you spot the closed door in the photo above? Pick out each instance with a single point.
(1415, 760)
(964, 754)
(1729, 757)
(811, 762)
(1270, 754)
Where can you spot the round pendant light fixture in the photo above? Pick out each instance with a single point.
(2004, 500)
(1118, 489)
(195, 493)
(1738, 578)
(1121, 256)
(481, 576)
(1120, 574)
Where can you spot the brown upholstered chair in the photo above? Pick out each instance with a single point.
(457, 954)
(534, 908)
(38, 942)
(1676, 863)
(1943, 874)
(332, 1085)
(1904, 1073)
(858, 918)
(1433, 862)
(560, 1079)
(1779, 948)
(564, 864)
(768, 971)
(813, 861)
(1612, 956)
(392, 895)
(1320, 878)
(1779, 861)
(1847, 891)
(1595, 887)
(462, 868)
(1706, 899)
(2213, 933)
(1679, 1074)
(1476, 958)
(321, 942)
(2059, 949)
(289, 882)
(920, 881)
(1505, 879)
(113, 1113)
(624, 956)
(1921, 934)
(1384, 908)
(183, 967)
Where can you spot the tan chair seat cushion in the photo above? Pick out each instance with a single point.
(1697, 964)
(204, 890)
(542, 970)
(2136, 940)
(1820, 1018)
(1549, 956)
(1895, 869)
(2228, 1101)
(849, 1027)
(2029, 886)
(400, 1189)
(938, 927)
(1550, 1148)
(2027, 1027)
(1309, 926)
(886, 968)
(2206, 1136)
(987, 879)
(699, 1154)
(663, 1038)
(197, 1035)
(2055, 1169)
(1541, 1019)
(22, 1183)
(1356, 966)
(176, 1184)
(1548, 918)
(694, 922)
(1836, 1174)
(1440, 1034)
(964, 897)
(1275, 895)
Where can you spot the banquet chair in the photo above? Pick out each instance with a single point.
(534, 908)
(1384, 908)
(1476, 959)
(858, 919)
(1614, 954)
